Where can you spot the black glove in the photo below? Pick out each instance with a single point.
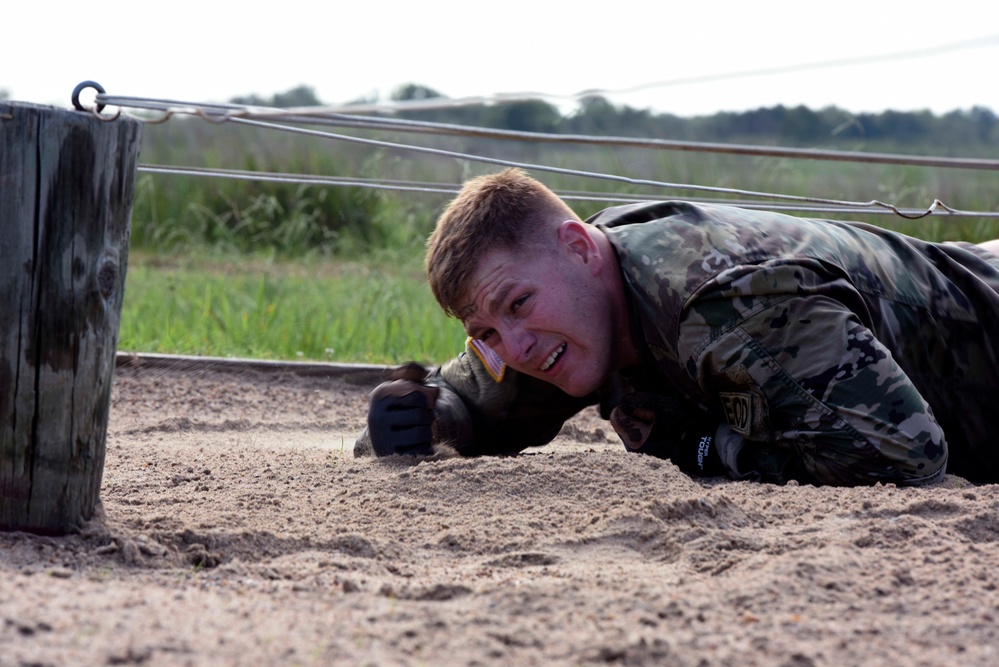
(401, 417)
(666, 428)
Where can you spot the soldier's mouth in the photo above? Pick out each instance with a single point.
(553, 357)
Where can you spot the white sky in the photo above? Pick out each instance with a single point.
(211, 51)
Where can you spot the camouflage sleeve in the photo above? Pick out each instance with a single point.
(482, 412)
(802, 383)
(478, 414)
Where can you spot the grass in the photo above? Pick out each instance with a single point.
(367, 313)
(180, 213)
(282, 271)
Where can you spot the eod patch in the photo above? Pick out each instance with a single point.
(739, 411)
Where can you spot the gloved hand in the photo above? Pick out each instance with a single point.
(666, 428)
(401, 414)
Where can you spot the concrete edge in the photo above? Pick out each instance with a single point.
(186, 363)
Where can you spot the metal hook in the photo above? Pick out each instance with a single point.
(83, 86)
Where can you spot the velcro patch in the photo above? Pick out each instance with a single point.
(490, 360)
(741, 411)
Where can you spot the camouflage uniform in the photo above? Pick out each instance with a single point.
(828, 352)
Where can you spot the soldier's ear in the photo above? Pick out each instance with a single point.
(576, 238)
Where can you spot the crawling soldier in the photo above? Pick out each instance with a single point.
(750, 344)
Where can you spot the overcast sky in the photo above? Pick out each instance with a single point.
(210, 51)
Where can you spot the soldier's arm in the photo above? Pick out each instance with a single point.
(808, 392)
(477, 412)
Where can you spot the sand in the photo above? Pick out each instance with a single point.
(238, 529)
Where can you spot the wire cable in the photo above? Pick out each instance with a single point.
(935, 206)
(240, 114)
(573, 195)
(341, 117)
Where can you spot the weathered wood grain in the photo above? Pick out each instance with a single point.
(66, 188)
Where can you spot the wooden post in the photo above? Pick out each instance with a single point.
(67, 180)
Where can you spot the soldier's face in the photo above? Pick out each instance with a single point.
(545, 315)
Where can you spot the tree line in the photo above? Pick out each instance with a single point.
(972, 131)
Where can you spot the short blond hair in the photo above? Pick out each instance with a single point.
(504, 211)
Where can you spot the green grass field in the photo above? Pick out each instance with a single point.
(284, 271)
(318, 310)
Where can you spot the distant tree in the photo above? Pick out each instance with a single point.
(901, 126)
(976, 129)
(524, 116)
(596, 115)
(476, 114)
(252, 100)
(414, 91)
(363, 99)
(984, 121)
(761, 121)
(672, 127)
(801, 125)
(300, 96)
(840, 124)
(4, 94)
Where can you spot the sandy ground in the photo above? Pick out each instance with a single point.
(240, 530)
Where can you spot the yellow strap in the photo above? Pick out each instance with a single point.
(490, 360)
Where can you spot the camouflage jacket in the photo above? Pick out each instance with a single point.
(829, 352)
